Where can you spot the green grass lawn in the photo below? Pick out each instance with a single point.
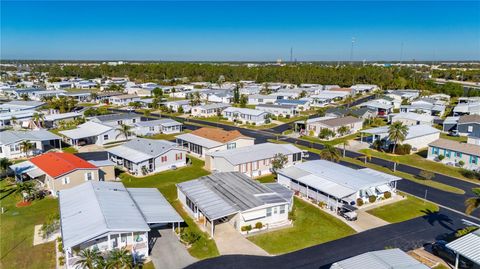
(16, 232)
(337, 141)
(409, 208)
(267, 179)
(165, 182)
(418, 160)
(430, 183)
(166, 136)
(311, 227)
(69, 150)
(454, 138)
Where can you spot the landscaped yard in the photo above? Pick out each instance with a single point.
(312, 226)
(165, 182)
(409, 208)
(267, 179)
(16, 231)
(170, 137)
(418, 160)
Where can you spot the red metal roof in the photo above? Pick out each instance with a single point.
(56, 164)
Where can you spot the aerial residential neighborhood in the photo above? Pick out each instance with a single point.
(240, 134)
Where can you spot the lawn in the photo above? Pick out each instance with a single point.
(165, 182)
(267, 179)
(69, 149)
(418, 160)
(454, 138)
(170, 137)
(311, 226)
(16, 232)
(409, 208)
(330, 142)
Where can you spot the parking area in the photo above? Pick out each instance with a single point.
(167, 252)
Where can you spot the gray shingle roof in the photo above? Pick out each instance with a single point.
(141, 149)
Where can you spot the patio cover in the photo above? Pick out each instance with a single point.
(154, 207)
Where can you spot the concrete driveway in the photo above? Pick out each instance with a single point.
(167, 252)
(229, 242)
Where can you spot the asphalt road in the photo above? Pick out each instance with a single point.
(406, 235)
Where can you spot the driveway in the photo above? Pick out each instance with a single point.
(167, 252)
(229, 241)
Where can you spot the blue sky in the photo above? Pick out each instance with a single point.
(240, 30)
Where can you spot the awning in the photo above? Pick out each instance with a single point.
(153, 206)
(383, 188)
(34, 173)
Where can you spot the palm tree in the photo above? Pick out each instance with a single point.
(330, 153)
(325, 133)
(4, 164)
(38, 119)
(26, 146)
(119, 258)
(473, 203)
(25, 189)
(89, 258)
(349, 100)
(345, 143)
(343, 130)
(94, 96)
(397, 132)
(278, 162)
(124, 130)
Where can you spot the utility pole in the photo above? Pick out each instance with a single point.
(351, 51)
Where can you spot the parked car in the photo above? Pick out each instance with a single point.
(440, 249)
(348, 212)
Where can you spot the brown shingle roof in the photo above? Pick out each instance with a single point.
(466, 148)
(469, 119)
(217, 134)
(340, 121)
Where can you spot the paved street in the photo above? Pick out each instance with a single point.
(405, 235)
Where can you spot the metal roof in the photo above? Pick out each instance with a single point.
(116, 117)
(246, 111)
(161, 122)
(381, 259)
(413, 116)
(223, 194)
(255, 152)
(61, 116)
(18, 114)
(198, 140)
(154, 207)
(141, 149)
(468, 246)
(413, 131)
(335, 179)
(9, 136)
(87, 129)
(96, 208)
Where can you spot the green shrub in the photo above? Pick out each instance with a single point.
(322, 204)
(372, 198)
(387, 194)
(291, 215)
(441, 157)
(258, 225)
(427, 175)
(61, 260)
(60, 247)
(359, 201)
(189, 236)
(288, 116)
(461, 163)
(464, 231)
(469, 174)
(404, 149)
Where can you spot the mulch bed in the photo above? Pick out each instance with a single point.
(23, 204)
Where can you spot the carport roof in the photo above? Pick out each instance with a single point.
(468, 246)
(381, 259)
(154, 207)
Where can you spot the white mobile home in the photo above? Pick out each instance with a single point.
(245, 115)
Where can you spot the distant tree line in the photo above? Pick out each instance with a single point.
(385, 77)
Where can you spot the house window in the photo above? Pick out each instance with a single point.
(164, 159)
(88, 176)
(275, 210)
(473, 159)
(470, 128)
(105, 137)
(178, 156)
(269, 212)
(231, 145)
(282, 209)
(134, 120)
(119, 122)
(152, 128)
(447, 154)
(458, 154)
(65, 180)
